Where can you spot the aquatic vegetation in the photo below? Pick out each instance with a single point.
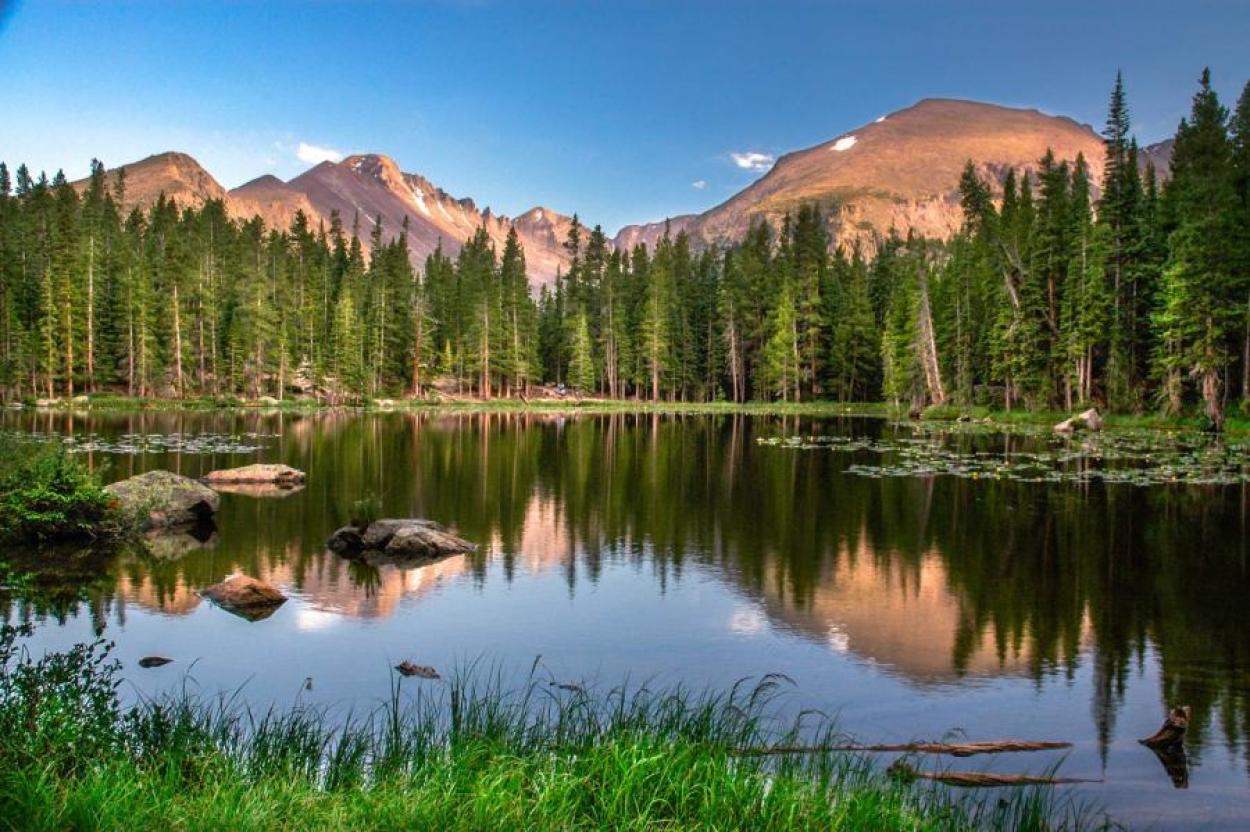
(1031, 453)
(136, 444)
(464, 754)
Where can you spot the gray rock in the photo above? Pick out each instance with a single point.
(419, 541)
(346, 541)
(159, 499)
(379, 533)
(398, 540)
(1088, 420)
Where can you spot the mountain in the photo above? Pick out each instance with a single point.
(901, 171)
(361, 188)
(273, 200)
(176, 175)
(650, 233)
(370, 186)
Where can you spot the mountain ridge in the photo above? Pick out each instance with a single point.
(899, 172)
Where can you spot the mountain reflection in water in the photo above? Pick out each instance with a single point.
(934, 581)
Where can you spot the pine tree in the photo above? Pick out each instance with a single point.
(1202, 309)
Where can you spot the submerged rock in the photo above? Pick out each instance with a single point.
(281, 475)
(399, 539)
(159, 499)
(1088, 420)
(246, 597)
(153, 661)
(407, 668)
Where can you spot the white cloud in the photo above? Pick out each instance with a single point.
(312, 154)
(751, 160)
(698, 184)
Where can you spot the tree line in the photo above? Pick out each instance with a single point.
(1127, 292)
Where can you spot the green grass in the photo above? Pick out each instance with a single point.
(465, 754)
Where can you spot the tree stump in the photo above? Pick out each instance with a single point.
(1168, 744)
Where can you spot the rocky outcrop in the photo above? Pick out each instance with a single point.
(398, 541)
(1089, 420)
(161, 499)
(245, 597)
(280, 475)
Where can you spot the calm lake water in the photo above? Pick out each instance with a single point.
(679, 549)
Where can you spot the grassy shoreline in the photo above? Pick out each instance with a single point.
(827, 409)
(461, 754)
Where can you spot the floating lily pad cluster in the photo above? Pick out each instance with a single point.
(136, 444)
(1023, 454)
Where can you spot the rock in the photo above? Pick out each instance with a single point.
(399, 539)
(1092, 420)
(426, 542)
(379, 533)
(384, 403)
(346, 541)
(81, 399)
(267, 401)
(407, 668)
(245, 597)
(153, 661)
(963, 417)
(281, 475)
(159, 499)
(47, 402)
(1088, 420)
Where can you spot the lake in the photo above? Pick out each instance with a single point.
(701, 550)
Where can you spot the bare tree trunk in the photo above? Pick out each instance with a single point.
(91, 314)
(178, 382)
(928, 346)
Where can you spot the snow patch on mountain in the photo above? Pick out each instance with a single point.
(845, 143)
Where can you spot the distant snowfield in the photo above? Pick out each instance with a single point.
(844, 143)
(880, 119)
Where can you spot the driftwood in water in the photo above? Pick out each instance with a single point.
(1172, 732)
(978, 779)
(1168, 744)
(966, 749)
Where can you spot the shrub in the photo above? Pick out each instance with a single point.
(46, 494)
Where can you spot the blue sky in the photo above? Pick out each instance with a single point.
(623, 112)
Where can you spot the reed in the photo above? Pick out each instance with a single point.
(468, 753)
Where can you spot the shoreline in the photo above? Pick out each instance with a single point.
(979, 414)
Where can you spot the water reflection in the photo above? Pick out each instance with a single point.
(937, 581)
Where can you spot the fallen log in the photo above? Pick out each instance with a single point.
(967, 749)
(981, 779)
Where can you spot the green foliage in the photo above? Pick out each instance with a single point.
(46, 494)
(472, 756)
(1057, 291)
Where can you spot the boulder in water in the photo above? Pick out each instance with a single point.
(159, 499)
(281, 475)
(245, 597)
(401, 539)
(1088, 420)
